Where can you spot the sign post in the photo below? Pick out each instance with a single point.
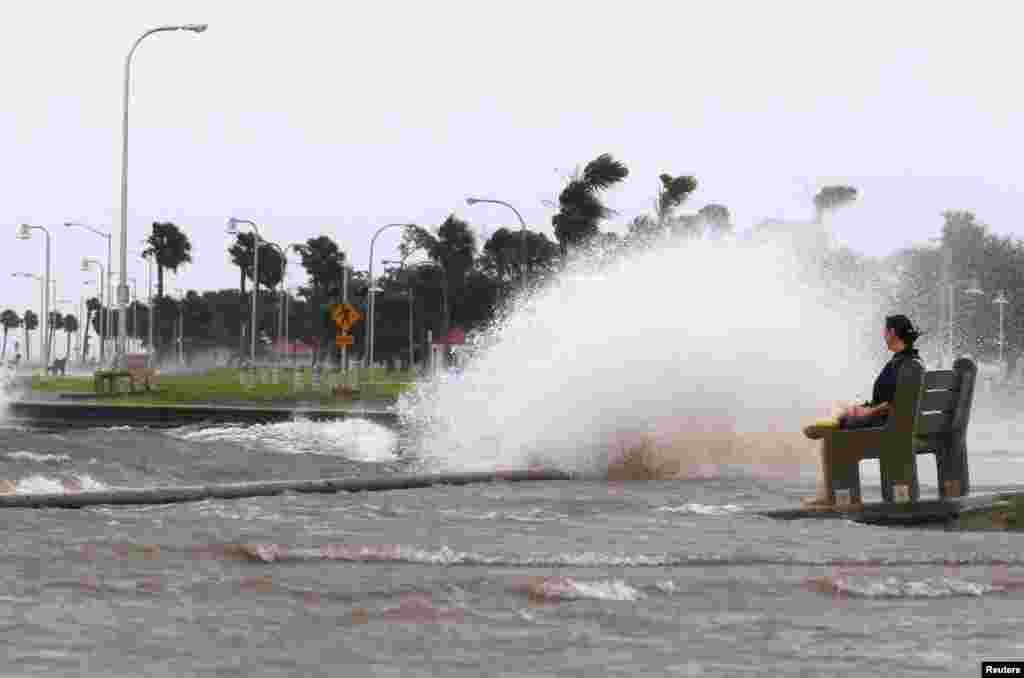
(344, 315)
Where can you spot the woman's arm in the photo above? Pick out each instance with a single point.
(870, 410)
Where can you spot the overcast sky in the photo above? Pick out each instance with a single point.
(328, 117)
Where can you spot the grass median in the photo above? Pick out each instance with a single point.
(225, 385)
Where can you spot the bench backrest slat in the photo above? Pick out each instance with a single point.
(934, 423)
(943, 380)
(939, 401)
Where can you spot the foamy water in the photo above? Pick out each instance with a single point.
(695, 337)
(44, 484)
(355, 439)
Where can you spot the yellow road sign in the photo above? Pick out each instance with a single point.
(344, 315)
(343, 340)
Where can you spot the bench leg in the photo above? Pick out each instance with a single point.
(844, 475)
(899, 472)
(952, 470)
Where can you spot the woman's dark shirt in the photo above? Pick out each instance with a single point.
(885, 385)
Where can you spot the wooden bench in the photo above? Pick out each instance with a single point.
(136, 364)
(929, 415)
(105, 381)
(135, 371)
(59, 365)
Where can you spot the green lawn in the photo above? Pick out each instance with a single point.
(1008, 514)
(224, 384)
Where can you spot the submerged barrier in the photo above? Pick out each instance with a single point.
(170, 495)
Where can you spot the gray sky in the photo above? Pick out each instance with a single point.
(326, 117)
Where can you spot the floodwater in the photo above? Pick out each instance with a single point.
(584, 578)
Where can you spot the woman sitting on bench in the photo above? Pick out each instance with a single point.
(900, 336)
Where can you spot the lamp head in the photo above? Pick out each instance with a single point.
(471, 201)
(232, 227)
(24, 232)
(195, 28)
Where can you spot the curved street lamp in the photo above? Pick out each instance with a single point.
(106, 317)
(522, 233)
(370, 320)
(104, 306)
(122, 288)
(25, 233)
(233, 230)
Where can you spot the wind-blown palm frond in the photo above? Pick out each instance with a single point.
(603, 172)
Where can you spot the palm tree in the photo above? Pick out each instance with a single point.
(70, 327)
(170, 248)
(324, 262)
(271, 267)
(31, 322)
(831, 198)
(716, 217)
(453, 249)
(673, 192)
(10, 320)
(56, 323)
(580, 207)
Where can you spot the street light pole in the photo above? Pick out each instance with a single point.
(24, 233)
(106, 316)
(522, 234)
(104, 307)
(42, 302)
(233, 230)
(1002, 301)
(122, 288)
(370, 310)
(134, 305)
(280, 310)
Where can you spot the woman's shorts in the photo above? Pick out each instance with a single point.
(872, 421)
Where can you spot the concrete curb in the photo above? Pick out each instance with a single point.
(76, 414)
(169, 495)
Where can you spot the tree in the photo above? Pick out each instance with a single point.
(170, 249)
(271, 267)
(500, 254)
(580, 208)
(56, 323)
(673, 192)
(716, 217)
(10, 320)
(70, 327)
(324, 262)
(453, 249)
(831, 198)
(31, 322)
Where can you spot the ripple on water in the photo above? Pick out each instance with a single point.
(355, 439)
(36, 457)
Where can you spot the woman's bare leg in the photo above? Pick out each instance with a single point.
(824, 494)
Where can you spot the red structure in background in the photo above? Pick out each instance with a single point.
(293, 347)
(456, 337)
